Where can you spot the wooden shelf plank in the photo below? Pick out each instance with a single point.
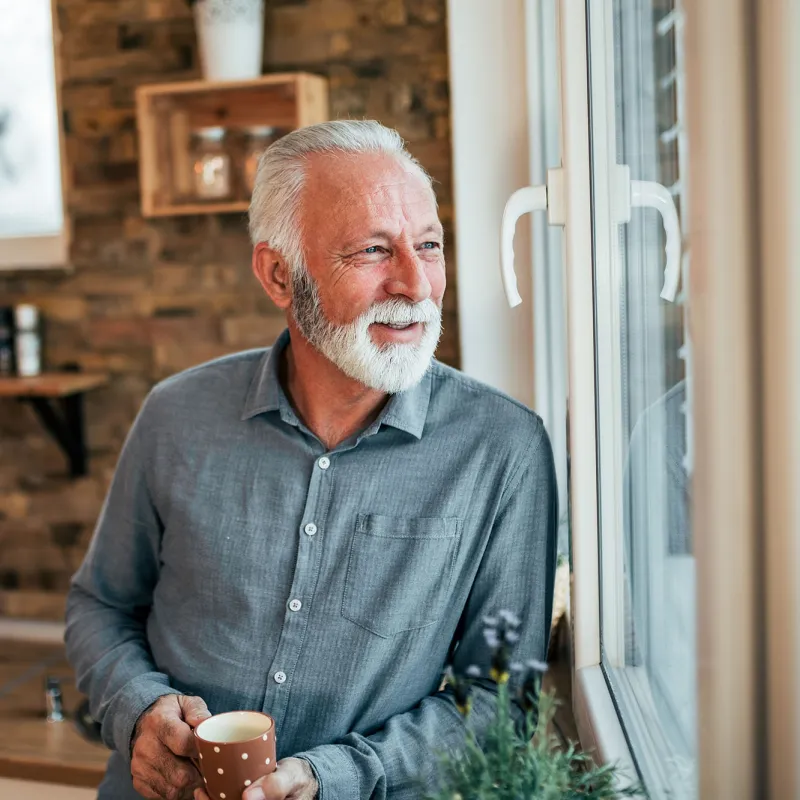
(233, 207)
(200, 86)
(53, 384)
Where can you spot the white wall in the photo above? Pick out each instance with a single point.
(490, 160)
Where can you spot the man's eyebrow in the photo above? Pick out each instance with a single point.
(357, 241)
(434, 227)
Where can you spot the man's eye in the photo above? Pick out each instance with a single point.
(430, 245)
(373, 249)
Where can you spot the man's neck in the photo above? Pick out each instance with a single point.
(331, 405)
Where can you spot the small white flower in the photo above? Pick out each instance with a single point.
(512, 637)
(490, 635)
(536, 666)
(491, 622)
(516, 667)
(474, 671)
(510, 617)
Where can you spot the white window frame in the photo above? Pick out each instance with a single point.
(652, 705)
(733, 756)
(598, 722)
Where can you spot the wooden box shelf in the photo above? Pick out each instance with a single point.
(168, 114)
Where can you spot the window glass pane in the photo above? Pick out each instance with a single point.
(644, 389)
(30, 160)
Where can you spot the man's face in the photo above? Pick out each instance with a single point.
(371, 294)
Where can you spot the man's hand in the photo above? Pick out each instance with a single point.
(163, 743)
(293, 779)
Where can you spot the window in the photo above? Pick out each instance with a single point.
(32, 224)
(685, 644)
(643, 379)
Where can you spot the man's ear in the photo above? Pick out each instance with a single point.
(272, 271)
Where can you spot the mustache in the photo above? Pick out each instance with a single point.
(398, 312)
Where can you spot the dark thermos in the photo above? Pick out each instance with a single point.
(6, 340)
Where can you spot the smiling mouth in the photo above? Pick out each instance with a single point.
(398, 326)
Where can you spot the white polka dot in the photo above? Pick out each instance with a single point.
(244, 756)
(264, 737)
(247, 783)
(267, 761)
(205, 780)
(222, 795)
(216, 749)
(221, 771)
(201, 755)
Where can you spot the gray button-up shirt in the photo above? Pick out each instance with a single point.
(237, 559)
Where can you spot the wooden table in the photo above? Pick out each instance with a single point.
(30, 747)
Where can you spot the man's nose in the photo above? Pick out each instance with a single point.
(409, 277)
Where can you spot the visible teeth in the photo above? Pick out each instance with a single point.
(398, 326)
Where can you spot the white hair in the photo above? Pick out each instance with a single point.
(275, 203)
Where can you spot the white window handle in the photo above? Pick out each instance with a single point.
(628, 193)
(523, 201)
(648, 194)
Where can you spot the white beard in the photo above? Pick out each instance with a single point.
(389, 368)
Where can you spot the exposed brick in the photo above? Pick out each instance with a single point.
(147, 298)
(253, 330)
(15, 505)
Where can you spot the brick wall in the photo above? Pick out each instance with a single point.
(149, 298)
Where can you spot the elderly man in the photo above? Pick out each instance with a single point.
(316, 529)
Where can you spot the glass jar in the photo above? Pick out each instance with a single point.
(259, 138)
(211, 165)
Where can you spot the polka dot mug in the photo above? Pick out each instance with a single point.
(236, 749)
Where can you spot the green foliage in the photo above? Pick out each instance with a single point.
(519, 761)
(524, 765)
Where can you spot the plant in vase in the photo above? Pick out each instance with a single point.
(516, 757)
(230, 35)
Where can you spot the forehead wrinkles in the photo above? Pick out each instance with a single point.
(399, 202)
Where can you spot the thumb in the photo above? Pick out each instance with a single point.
(194, 709)
(277, 785)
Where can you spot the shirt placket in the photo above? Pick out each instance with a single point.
(300, 601)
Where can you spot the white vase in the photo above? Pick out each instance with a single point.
(231, 38)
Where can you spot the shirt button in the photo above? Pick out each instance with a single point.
(310, 529)
(324, 462)
(295, 605)
(280, 677)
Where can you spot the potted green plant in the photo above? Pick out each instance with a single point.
(513, 761)
(230, 35)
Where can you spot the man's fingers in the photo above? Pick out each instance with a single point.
(166, 775)
(145, 789)
(178, 772)
(151, 784)
(176, 735)
(277, 785)
(194, 709)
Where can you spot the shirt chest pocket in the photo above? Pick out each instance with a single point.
(399, 572)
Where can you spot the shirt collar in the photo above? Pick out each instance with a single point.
(406, 411)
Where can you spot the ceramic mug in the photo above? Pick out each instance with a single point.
(236, 749)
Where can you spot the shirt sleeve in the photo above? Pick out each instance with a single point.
(517, 572)
(110, 597)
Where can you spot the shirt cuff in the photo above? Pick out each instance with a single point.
(335, 772)
(127, 705)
